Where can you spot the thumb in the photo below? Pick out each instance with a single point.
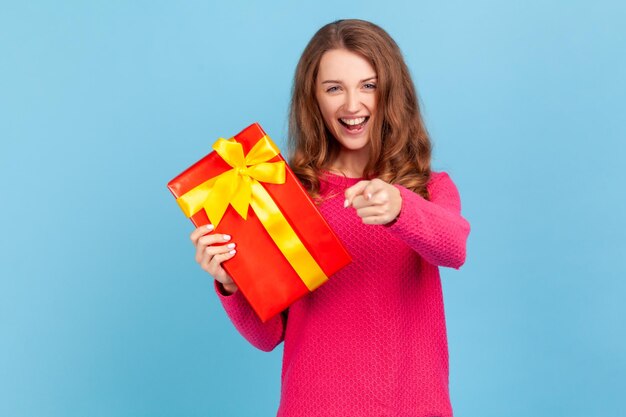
(353, 191)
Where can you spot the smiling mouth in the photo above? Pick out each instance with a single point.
(354, 124)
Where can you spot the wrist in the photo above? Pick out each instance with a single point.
(226, 289)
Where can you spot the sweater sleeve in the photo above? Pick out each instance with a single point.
(264, 336)
(433, 228)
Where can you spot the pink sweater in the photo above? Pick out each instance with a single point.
(372, 340)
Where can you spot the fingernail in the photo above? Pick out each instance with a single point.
(210, 227)
(232, 252)
(226, 237)
(231, 245)
(346, 203)
(369, 196)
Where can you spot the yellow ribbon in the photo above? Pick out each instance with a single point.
(241, 188)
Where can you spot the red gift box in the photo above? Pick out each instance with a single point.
(285, 248)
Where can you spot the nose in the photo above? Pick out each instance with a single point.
(353, 102)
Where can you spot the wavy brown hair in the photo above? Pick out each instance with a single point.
(400, 146)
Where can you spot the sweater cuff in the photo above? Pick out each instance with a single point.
(221, 292)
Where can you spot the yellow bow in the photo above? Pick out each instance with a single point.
(235, 186)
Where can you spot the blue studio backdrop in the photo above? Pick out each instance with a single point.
(103, 310)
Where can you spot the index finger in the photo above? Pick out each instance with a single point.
(199, 232)
(373, 188)
(353, 191)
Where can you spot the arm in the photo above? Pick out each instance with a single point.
(435, 229)
(264, 336)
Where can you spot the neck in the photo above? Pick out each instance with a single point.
(350, 163)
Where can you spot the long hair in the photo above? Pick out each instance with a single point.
(399, 143)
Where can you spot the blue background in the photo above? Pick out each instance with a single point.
(103, 311)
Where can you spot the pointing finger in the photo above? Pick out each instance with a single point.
(374, 187)
(353, 191)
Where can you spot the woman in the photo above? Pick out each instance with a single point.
(372, 340)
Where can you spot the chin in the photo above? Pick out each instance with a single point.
(352, 142)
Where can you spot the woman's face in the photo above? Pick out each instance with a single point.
(346, 95)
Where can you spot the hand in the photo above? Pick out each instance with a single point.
(375, 201)
(211, 252)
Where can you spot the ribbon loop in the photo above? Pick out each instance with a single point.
(262, 151)
(272, 172)
(231, 152)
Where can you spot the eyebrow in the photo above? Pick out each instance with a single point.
(339, 82)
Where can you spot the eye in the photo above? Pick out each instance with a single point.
(369, 86)
(332, 89)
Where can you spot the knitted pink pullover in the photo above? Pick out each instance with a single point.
(372, 340)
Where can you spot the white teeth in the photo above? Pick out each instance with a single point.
(353, 122)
